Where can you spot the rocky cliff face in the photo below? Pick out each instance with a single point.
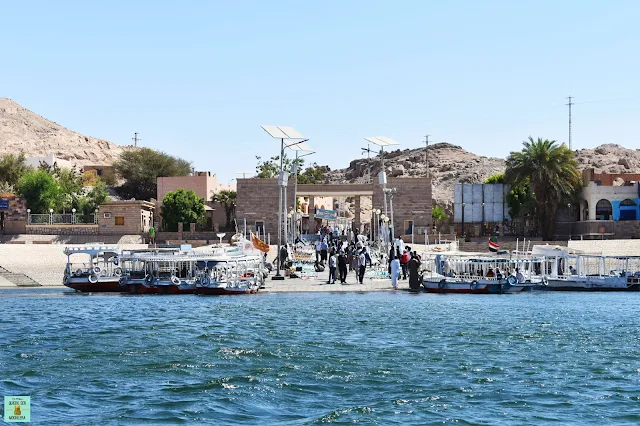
(448, 164)
(21, 130)
(609, 158)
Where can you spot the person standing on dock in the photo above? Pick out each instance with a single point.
(395, 272)
(362, 262)
(332, 268)
(323, 250)
(342, 267)
(317, 251)
(414, 267)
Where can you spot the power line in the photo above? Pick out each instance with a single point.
(570, 103)
(426, 153)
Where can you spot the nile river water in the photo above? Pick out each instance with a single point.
(308, 358)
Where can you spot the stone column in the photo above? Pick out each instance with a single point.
(356, 221)
(312, 216)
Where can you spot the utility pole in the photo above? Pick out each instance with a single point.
(135, 139)
(426, 153)
(569, 104)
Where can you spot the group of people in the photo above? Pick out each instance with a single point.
(342, 257)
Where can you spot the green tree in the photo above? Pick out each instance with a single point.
(270, 168)
(551, 170)
(141, 168)
(40, 190)
(181, 206)
(497, 178)
(439, 216)
(12, 168)
(227, 198)
(313, 174)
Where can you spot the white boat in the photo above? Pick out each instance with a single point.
(93, 267)
(570, 270)
(213, 270)
(236, 270)
(482, 274)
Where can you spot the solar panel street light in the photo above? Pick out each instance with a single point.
(382, 141)
(283, 133)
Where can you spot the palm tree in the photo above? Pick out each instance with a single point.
(438, 215)
(227, 198)
(552, 172)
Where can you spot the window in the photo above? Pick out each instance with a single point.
(408, 227)
(119, 220)
(260, 227)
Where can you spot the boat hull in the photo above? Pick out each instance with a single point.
(471, 288)
(106, 286)
(138, 288)
(217, 291)
(592, 285)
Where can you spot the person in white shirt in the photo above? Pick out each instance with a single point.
(395, 272)
(332, 268)
(317, 251)
(362, 262)
(399, 246)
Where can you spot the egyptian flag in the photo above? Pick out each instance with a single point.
(493, 244)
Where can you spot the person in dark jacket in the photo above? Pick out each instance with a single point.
(414, 268)
(342, 267)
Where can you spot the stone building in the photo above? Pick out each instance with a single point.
(13, 214)
(125, 217)
(204, 184)
(610, 196)
(257, 202)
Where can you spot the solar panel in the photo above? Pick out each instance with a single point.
(389, 141)
(300, 146)
(282, 132)
(374, 141)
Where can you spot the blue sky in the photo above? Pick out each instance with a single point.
(197, 79)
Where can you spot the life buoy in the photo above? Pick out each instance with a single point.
(474, 285)
(175, 280)
(148, 278)
(205, 280)
(95, 270)
(116, 260)
(117, 271)
(512, 280)
(78, 272)
(66, 279)
(442, 284)
(93, 278)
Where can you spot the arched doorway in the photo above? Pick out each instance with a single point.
(604, 211)
(628, 210)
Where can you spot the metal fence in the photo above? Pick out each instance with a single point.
(62, 219)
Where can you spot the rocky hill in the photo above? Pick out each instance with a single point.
(450, 164)
(21, 130)
(609, 158)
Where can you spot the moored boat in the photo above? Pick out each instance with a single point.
(481, 275)
(93, 267)
(570, 270)
(238, 270)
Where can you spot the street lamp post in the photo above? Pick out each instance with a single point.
(570, 219)
(463, 233)
(282, 133)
